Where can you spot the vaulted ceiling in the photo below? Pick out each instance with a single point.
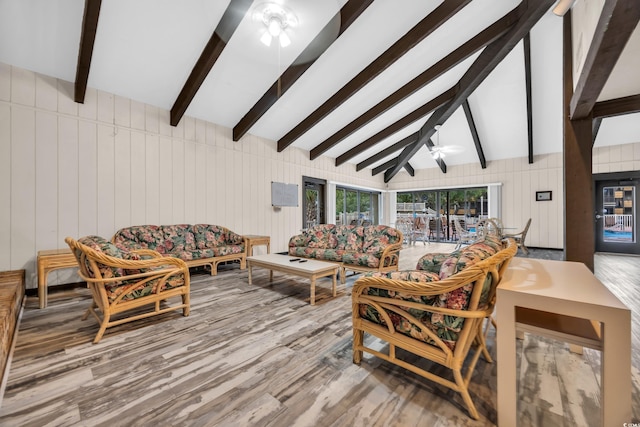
(363, 81)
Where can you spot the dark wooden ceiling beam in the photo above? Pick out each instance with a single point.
(228, 23)
(415, 35)
(474, 133)
(527, 82)
(388, 151)
(415, 115)
(85, 52)
(386, 165)
(454, 58)
(439, 160)
(617, 22)
(410, 169)
(617, 107)
(486, 62)
(383, 167)
(348, 14)
(595, 127)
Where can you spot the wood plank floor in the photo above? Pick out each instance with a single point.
(260, 355)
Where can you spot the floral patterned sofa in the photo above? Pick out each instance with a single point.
(436, 311)
(358, 248)
(199, 244)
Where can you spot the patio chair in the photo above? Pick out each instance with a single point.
(465, 236)
(520, 237)
(128, 281)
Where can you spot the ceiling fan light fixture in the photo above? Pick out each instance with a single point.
(277, 20)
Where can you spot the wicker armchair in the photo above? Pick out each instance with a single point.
(437, 316)
(121, 281)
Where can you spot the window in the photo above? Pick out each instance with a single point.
(356, 207)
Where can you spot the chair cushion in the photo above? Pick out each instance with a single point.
(321, 236)
(140, 237)
(99, 244)
(378, 237)
(432, 262)
(178, 238)
(350, 238)
(142, 288)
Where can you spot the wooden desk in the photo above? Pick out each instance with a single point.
(254, 240)
(566, 301)
(48, 261)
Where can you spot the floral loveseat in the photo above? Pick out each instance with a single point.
(436, 311)
(200, 244)
(358, 248)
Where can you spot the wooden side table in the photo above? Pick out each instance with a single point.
(47, 262)
(254, 240)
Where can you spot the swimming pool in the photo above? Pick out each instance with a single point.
(618, 236)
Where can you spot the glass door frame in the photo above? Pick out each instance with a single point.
(319, 185)
(616, 180)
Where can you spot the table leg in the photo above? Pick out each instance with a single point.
(615, 366)
(271, 275)
(268, 247)
(506, 354)
(249, 273)
(313, 290)
(42, 286)
(335, 280)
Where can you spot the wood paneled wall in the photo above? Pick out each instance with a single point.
(70, 169)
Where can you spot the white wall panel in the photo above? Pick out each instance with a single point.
(68, 187)
(46, 209)
(23, 189)
(200, 185)
(106, 181)
(138, 179)
(177, 202)
(189, 182)
(152, 179)
(166, 181)
(5, 83)
(122, 178)
(88, 179)
(5, 176)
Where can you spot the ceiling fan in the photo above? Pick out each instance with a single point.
(440, 151)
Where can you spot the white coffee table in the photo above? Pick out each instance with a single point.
(310, 269)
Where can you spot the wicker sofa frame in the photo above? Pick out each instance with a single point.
(471, 333)
(95, 267)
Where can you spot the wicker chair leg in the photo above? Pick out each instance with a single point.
(464, 392)
(358, 340)
(186, 302)
(103, 328)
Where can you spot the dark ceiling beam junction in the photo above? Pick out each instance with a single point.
(595, 127)
(386, 165)
(348, 14)
(527, 81)
(210, 54)
(617, 22)
(474, 133)
(415, 115)
(617, 107)
(388, 151)
(486, 62)
(445, 64)
(410, 169)
(383, 167)
(439, 160)
(407, 42)
(85, 51)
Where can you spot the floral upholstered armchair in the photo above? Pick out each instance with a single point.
(436, 311)
(121, 281)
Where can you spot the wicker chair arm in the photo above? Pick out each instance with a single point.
(392, 253)
(146, 252)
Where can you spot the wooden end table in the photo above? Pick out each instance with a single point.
(255, 240)
(48, 261)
